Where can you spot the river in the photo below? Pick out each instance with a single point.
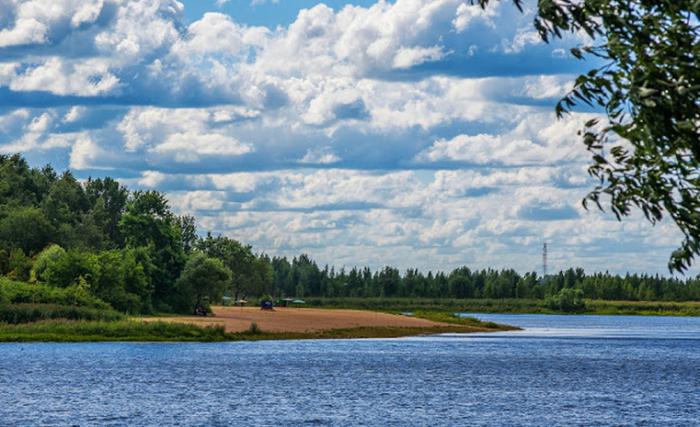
(560, 370)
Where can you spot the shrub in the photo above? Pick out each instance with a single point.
(18, 293)
(67, 269)
(567, 300)
(24, 313)
(19, 265)
(46, 257)
(254, 329)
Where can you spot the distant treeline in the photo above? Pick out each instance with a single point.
(303, 277)
(129, 249)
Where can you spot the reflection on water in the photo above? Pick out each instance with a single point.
(561, 370)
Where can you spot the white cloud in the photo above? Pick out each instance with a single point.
(191, 147)
(217, 33)
(409, 57)
(85, 153)
(25, 31)
(467, 14)
(323, 156)
(522, 39)
(74, 114)
(536, 139)
(64, 77)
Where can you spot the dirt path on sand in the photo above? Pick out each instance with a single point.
(237, 319)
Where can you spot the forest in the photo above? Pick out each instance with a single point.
(129, 250)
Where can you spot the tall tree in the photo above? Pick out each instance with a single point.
(148, 222)
(202, 282)
(108, 200)
(247, 276)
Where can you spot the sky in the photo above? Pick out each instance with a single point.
(413, 133)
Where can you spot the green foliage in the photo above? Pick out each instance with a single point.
(24, 313)
(123, 282)
(48, 256)
(188, 232)
(147, 222)
(108, 199)
(25, 228)
(203, 280)
(250, 275)
(67, 269)
(567, 300)
(19, 265)
(12, 292)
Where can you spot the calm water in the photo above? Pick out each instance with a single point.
(561, 370)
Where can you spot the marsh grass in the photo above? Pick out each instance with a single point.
(530, 306)
(121, 330)
(449, 317)
(25, 313)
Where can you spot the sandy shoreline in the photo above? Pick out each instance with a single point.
(239, 319)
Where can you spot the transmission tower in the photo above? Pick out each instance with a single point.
(544, 260)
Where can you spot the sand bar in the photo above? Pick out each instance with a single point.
(238, 319)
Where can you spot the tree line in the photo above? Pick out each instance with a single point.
(125, 247)
(303, 277)
(130, 250)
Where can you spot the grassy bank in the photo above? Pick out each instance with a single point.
(120, 330)
(368, 332)
(657, 308)
(134, 330)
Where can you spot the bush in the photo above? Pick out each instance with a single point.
(567, 300)
(67, 269)
(25, 313)
(254, 329)
(46, 257)
(123, 330)
(19, 265)
(23, 293)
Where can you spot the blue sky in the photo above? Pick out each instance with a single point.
(412, 132)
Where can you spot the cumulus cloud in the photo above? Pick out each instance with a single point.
(25, 31)
(535, 140)
(192, 147)
(85, 154)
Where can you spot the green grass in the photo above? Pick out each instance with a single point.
(122, 330)
(651, 308)
(449, 317)
(451, 305)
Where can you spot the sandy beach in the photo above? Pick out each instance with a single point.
(238, 319)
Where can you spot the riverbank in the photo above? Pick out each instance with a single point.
(515, 306)
(248, 324)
